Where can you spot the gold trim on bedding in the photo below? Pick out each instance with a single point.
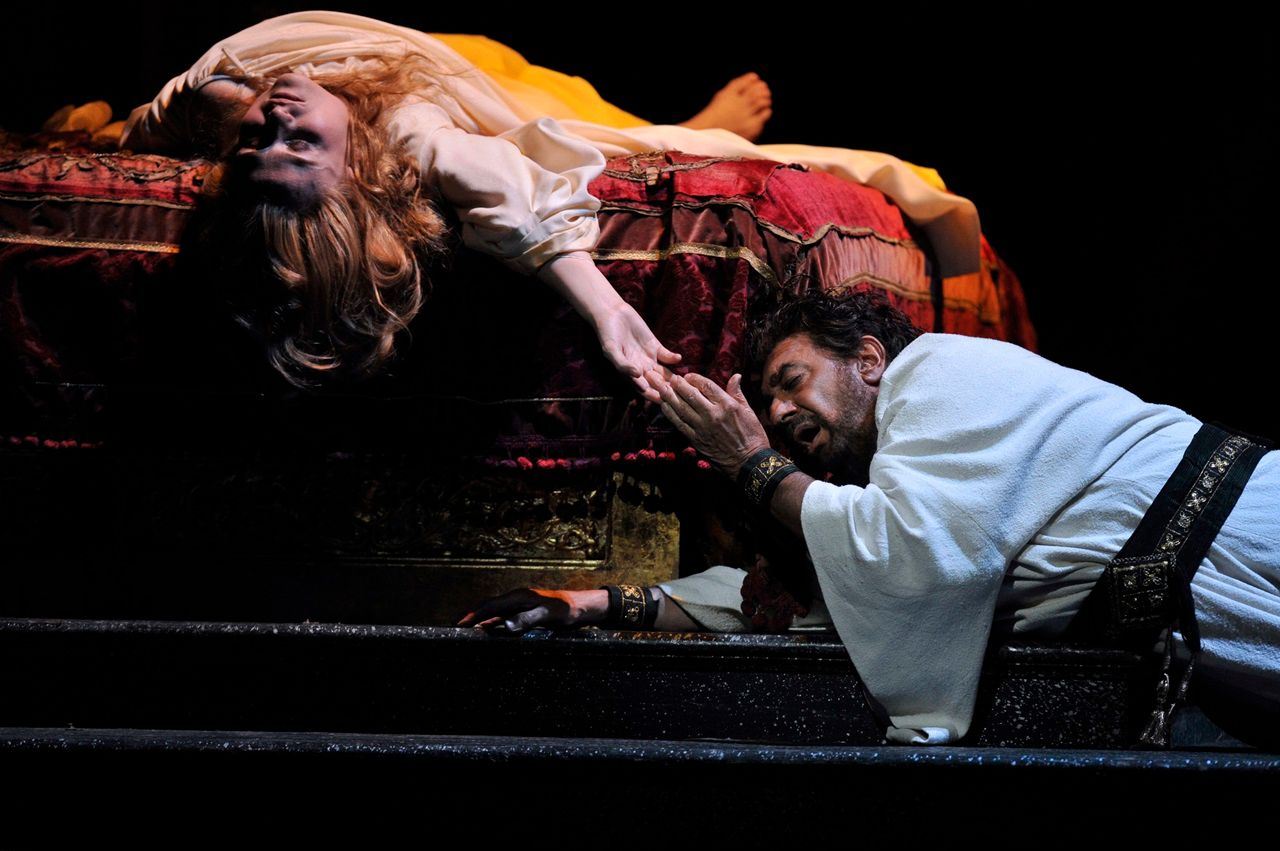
(104, 244)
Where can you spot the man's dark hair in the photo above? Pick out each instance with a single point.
(835, 321)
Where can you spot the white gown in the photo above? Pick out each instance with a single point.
(1001, 486)
(519, 179)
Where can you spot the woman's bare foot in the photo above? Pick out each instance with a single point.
(741, 107)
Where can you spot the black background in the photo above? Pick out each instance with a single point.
(1122, 165)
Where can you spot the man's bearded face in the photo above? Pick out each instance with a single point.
(820, 406)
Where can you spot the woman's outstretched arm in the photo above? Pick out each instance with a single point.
(624, 336)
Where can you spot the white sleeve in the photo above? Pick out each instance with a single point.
(167, 124)
(912, 566)
(522, 196)
(911, 594)
(713, 599)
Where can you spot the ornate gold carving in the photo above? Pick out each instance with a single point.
(363, 509)
(445, 538)
(480, 524)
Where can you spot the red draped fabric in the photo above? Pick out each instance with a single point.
(89, 271)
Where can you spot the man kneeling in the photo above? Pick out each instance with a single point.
(946, 487)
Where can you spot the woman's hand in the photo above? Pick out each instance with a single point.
(228, 93)
(634, 351)
(215, 121)
(624, 336)
(527, 608)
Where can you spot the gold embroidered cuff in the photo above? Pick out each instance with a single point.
(630, 607)
(761, 475)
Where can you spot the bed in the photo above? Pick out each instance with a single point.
(499, 449)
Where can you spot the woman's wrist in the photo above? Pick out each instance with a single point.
(575, 276)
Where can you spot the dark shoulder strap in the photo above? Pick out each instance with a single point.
(1147, 586)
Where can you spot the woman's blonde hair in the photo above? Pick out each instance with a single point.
(327, 287)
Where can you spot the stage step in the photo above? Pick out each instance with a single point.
(378, 679)
(195, 787)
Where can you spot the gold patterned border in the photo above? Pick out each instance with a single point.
(84, 199)
(818, 235)
(113, 161)
(884, 284)
(821, 233)
(699, 248)
(29, 239)
(1201, 493)
(633, 604)
(740, 253)
(646, 174)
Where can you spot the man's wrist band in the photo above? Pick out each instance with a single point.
(762, 473)
(630, 607)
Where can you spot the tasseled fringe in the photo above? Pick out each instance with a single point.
(35, 442)
(1159, 727)
(638, 457)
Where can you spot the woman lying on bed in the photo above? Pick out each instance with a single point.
(335, 132)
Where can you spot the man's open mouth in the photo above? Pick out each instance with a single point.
(804, 434)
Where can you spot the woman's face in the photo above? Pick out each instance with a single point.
(293, 141)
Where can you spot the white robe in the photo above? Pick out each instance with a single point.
(1001, 486)
(519, 179)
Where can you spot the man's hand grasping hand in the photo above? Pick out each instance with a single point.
(718, 422)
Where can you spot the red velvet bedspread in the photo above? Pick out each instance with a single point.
(93, 308)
